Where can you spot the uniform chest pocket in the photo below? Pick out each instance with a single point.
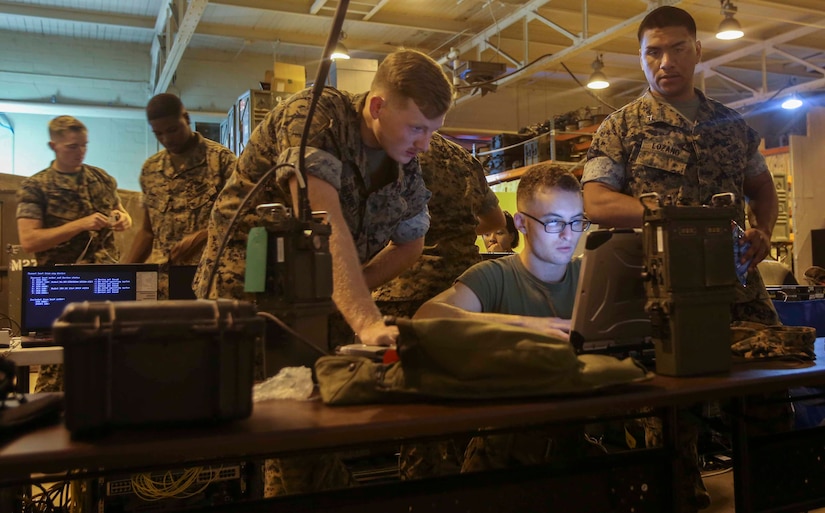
(156, 202)
(200, 195)
(664, 156)
(66, 204)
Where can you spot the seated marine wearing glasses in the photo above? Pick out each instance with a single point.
(535, 288)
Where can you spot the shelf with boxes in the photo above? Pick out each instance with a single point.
(253, 105)
(563, 146)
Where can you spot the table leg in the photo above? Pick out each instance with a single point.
(741, 458)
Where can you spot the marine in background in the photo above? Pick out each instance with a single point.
(180, 184)
(68, 213)
(503, 240)
(462, 207)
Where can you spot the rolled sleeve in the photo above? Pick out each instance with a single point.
(604, 170)
(30, 201)
(413, 228)
(319, 163)
(756, 165)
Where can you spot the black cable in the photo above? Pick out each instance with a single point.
(291, 331)
(225, 240)
(476, 85)
(494, 80)
(588, 91)
(304, 209)
(12, 325)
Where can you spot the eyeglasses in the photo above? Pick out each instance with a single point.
(557, 225)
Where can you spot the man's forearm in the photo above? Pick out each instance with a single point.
(34, 240)
(610, 208)
(350, 293)
(141, 247)
(392, 261)
(765, 209)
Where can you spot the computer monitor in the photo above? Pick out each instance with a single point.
(47, 290)
(609, 310)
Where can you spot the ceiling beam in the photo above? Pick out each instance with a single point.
(76, 15)
(407, 21)
(374, 10)
(177, 41)
(618, 30)
(707, 66)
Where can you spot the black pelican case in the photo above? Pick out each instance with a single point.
(136, 363)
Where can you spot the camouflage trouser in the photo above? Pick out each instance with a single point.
(758, 310)
(163, 284)
(430, 459)
(766, 413)
(531, 447)
(49, 378)
(695, 495)
(305, 474)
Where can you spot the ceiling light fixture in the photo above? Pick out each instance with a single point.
(729, 28)
(792, 102)
(340, 51)
(598, 80)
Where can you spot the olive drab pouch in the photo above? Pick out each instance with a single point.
(465, 359)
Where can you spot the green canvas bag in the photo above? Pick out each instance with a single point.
(465, 359)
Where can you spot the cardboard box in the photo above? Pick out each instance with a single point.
(287, 78)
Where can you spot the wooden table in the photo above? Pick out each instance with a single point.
(292, 427)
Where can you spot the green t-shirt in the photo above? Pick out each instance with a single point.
(505, 286)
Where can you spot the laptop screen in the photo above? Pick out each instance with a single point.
(609, 308)
(47, 290)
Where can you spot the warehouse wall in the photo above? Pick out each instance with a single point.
(49, 72)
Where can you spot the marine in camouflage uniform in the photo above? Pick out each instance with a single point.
(648, 146)
(57, 198)
(459, 193)
(179, 199)
(336, 154)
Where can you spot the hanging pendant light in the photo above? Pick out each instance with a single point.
(598, 80)
(729, 28)
(340, 51)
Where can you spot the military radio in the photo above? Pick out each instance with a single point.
(288, 260)
(690, 283)
(289, 268)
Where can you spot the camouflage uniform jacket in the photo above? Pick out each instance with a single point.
(58, 198)
(336, 154)
(647, 146)
(460, 191)
(179, 200)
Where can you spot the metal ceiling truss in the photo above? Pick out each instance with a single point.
(759, 94)
(174, 28)
(529, 13)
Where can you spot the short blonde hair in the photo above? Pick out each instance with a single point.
(415, 75)
(62, 124)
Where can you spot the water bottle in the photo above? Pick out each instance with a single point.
(740, 249)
